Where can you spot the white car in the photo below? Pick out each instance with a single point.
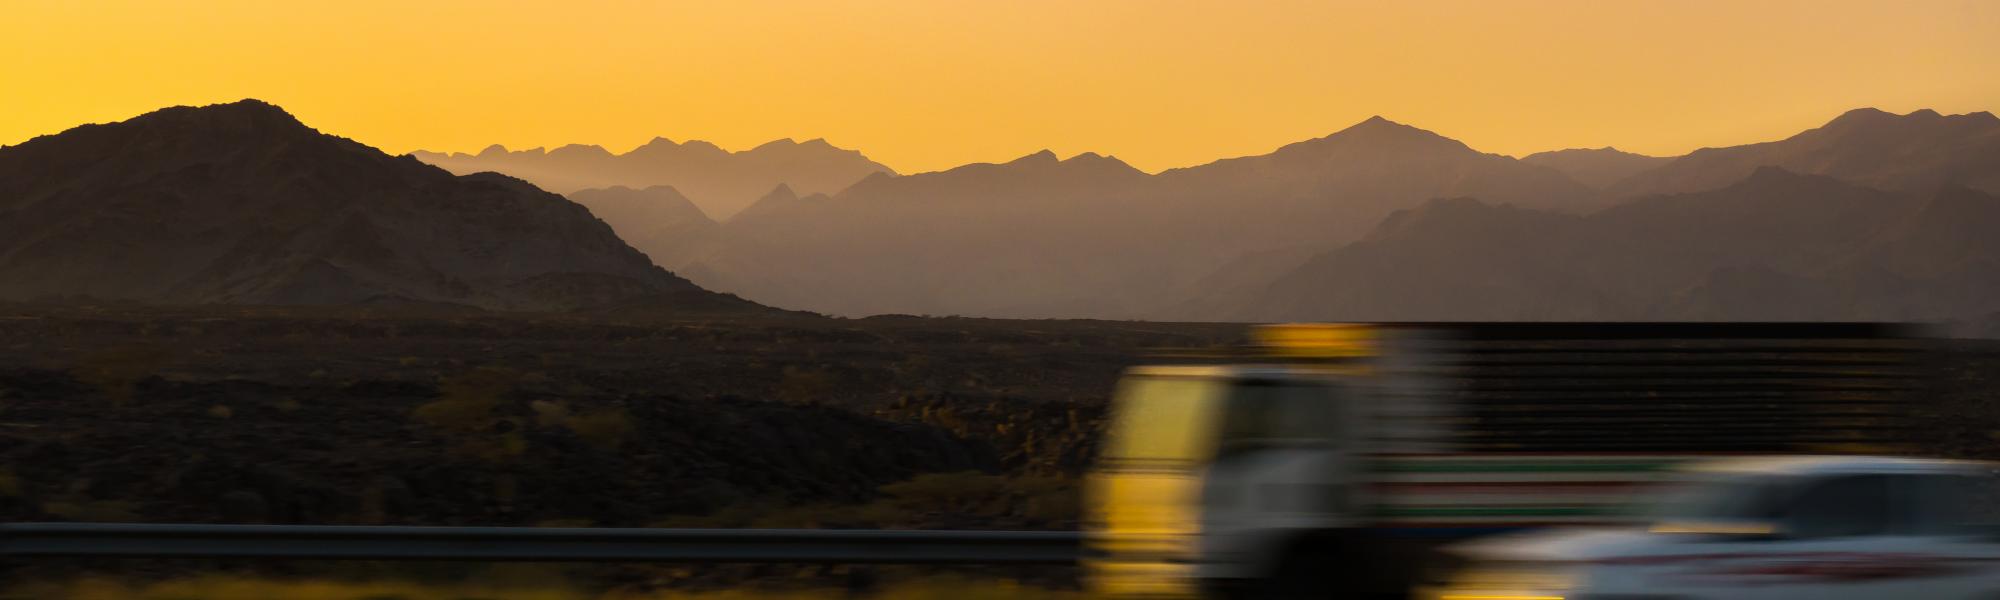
(1810, 528)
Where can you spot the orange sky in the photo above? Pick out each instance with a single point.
(928, 84)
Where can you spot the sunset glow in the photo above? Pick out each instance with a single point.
(929, 84)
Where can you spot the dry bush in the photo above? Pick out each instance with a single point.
(550, 413)
(117, 370)
(467, 402)
(605, 427)
(805, 385)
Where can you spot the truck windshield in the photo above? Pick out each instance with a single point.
(1164, 419)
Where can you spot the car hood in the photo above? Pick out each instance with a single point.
(1576, 545)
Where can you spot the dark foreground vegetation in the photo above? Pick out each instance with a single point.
(403, 416)
(400, 416)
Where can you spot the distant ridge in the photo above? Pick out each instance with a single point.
(1596, 167)
(1776, 245)
(1917, 152)
(719, 181)
(1042, 235)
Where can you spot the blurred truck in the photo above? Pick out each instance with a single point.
(1824, 528)
(1337, 459)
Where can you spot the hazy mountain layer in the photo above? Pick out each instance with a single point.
(1775, 246)
(1596, 167)
(1090, 235)
(719, 181)
(240, 203)
(1573, 234)
(1917, 152)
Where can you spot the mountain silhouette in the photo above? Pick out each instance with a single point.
(1358, 175)
(720, 182)
(1918, 152)
(241, 203)
(1596, 167)
(1775, 245)
(1871, 216)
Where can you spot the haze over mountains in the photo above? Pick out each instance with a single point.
(1581, 234)
(242, 204)
(1596, 167)
(719, 181)
(1871, 216)
(1907, 153)
(1774, 246)
(1042, 236)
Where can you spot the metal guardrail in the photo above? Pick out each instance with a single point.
(117, 540)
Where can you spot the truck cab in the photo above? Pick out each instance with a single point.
(1207, 471)
(1824, 528)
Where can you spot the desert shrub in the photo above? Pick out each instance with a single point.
(605, 427)
(467, 402)
(550, 413)
(116, 371)
(804, 385)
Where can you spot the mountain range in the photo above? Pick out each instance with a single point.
(718, 181)
(1089, 235)
(1870, 216)
(1285, 235)
(242, 204)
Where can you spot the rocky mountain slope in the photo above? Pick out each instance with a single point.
(242, 204)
